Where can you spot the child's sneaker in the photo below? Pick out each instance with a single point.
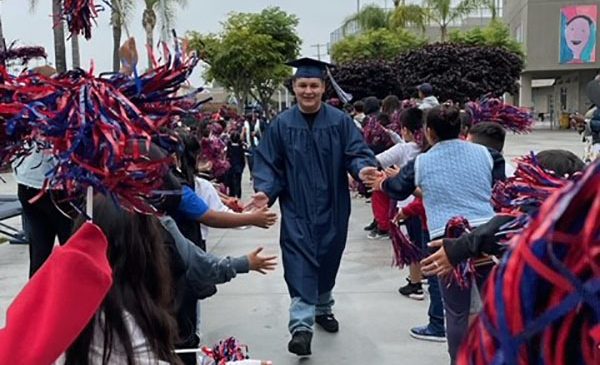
(424, 333)
(413, 291)
(378, 234)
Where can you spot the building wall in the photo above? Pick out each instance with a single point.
(540, 22)
(541, 102)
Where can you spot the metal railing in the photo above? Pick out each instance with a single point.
(478, 17)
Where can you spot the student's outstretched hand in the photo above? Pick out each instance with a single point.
(262, 264)
(263, 217)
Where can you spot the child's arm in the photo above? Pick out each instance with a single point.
(263, 218)
(204, 268)
(193, 207)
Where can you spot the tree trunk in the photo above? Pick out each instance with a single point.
(60, 56)
(117, 30)
(444, 31)
(75, 51)
(149, 22)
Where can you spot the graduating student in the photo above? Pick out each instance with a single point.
(303, 159)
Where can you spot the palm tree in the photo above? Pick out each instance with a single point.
(60, 47)
(120, 16)
(370, 17)
(443, 13)
(75, 58)
(492, 6)
(2, 42)
(166, 13)
(404, 16)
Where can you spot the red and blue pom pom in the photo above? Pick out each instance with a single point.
(80, 16)
(226, 350)
(542, 303)
(495, 110)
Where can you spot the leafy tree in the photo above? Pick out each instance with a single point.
(370, 17)
(375, 44)
(248, 56)
(496, 34)
(411, 15)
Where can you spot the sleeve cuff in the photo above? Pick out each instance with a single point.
(455, 251)
(241, 264)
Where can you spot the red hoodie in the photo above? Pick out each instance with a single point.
(58, 301)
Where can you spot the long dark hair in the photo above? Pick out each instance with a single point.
(141, 287)
(188, 156)
(444, 120)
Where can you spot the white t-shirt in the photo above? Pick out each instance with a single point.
(399, 155)
(206, 190)
(142, 352)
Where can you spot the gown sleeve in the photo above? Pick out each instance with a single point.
(268, 170)
(402, 185)
(356, 152)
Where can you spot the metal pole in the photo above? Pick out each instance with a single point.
(358, 6)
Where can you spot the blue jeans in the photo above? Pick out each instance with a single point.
(436, 306)
(302, 314)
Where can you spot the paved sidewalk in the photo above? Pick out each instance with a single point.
(374, 318)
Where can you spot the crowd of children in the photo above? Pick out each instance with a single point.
(126, 288)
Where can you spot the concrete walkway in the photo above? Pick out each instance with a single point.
(374, 318)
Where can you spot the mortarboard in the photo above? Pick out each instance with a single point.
(309, 67)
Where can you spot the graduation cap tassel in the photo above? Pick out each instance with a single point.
(344, 96)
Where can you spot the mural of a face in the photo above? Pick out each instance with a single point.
(577, 35)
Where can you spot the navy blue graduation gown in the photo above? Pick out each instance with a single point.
(307, 170)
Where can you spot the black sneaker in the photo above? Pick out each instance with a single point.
(328, 322)
(371, 226)
(378, 234)
(300, 343)
(413, 291)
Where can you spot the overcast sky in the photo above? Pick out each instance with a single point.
(317, 19)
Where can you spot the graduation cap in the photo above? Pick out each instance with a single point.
(307, 67)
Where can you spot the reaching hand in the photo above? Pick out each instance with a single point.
(258, 201)
(437, 263)
(262, 264)
(392, 171)
(263, 217)
(368, 173)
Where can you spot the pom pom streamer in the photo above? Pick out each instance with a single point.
(405, 251)
(22, 54)
(80, 16)
(98, 136)
(226, 350)
(531, 185)
(495, 110)
(376, 135)
(542, 303)
(464, 272)
(99, 129)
